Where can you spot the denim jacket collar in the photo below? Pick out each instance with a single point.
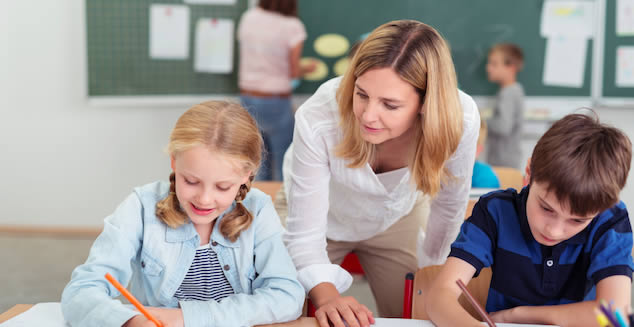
(217, 236)
(187, 232)
(181, 234)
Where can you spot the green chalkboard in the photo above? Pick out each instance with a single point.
(471, 27)
(117, 34)
(611, 44)
(119, 63)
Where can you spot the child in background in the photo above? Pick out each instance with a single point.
(483, 174)
(557, 247)
(201, 250)
(505, 126)
(271, 42)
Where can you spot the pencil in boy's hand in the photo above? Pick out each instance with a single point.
(603, 306)
(475, 304)
(132, 299)
(620, 317)
(602, 320)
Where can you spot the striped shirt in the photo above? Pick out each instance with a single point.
(205, 279)
(527, 273)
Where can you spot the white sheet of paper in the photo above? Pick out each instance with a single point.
(214, 46)
(565, 61)
(41, 314)
(625, 66)
(624, 17)
(211, 2)
(394, 322)
(169, 32)
(50, 315)
(477, 192)
(571, 18)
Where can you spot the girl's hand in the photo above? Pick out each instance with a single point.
(340, 309)
(140, 321)
(169, 317)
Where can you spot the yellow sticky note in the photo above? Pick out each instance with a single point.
(341, 66)
(331, 45)
(320, 72)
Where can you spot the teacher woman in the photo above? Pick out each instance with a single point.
(374, 153)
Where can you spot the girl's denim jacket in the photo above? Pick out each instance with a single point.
(152, 258)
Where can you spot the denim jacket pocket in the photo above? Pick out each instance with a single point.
(150, 266)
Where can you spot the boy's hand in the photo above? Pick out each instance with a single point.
(512, 315)
(502, 316)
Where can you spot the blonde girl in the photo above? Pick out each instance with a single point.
(370, 150)
(203, 249)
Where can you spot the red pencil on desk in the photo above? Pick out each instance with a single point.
(475, 304)
(132, 300)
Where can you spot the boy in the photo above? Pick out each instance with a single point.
(483, 174)
(505, 126)
(559, 245)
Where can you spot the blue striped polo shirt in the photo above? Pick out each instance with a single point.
(527, 273)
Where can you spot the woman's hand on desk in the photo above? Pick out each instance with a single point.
(336, 308)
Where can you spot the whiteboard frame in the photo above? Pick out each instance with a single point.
(596, 89)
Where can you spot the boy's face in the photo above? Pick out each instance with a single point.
(549, 221)
(497, 70)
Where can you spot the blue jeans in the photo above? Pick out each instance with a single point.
(275, 119)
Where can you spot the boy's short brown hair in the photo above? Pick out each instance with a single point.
(584, 162)
(512, 54)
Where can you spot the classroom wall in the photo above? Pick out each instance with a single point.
(65, 163)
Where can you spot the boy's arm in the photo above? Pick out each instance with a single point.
(614, 288)
(441, 301)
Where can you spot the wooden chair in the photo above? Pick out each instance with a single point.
(479, 288)
(268, 187)
(509, 177)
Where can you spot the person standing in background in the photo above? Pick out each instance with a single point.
(505, 126)
(271, 40)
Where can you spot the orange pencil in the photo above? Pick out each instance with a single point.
(132, 299)
(475, 304)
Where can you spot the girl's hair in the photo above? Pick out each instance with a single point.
(420, 56)
(283, 7)
(221, 127)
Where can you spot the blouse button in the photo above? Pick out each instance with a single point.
(226, 267)
(549, 263)
(214, 243)
(142, 264)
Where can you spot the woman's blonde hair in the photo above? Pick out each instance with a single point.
(221, 127)
(421, 57)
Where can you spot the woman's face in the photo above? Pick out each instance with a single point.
(385, 105)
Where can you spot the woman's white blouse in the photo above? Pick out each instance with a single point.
(328, 200)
